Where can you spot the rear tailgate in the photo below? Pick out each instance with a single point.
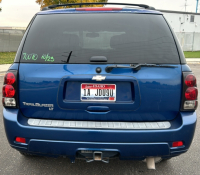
(55, 67)
(54, 92)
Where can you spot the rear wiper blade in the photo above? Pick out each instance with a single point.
(136, 67)
(68, 58)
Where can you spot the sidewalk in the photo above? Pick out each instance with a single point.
(4, 67)
(193, 60)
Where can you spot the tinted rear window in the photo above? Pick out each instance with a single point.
(122, 38)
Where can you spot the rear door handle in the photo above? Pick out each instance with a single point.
(98, 109)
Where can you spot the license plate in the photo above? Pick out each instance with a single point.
(98, 92)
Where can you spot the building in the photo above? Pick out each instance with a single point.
(186, 25)
(183, 21)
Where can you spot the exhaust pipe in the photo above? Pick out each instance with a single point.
(151, 163)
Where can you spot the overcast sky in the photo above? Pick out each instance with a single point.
(18, 13)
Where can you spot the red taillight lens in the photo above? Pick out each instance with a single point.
(177, 144)
(191, 93)
(8, 91)
(190, 80)
(20, 139)
(98, 9)
(9, 78)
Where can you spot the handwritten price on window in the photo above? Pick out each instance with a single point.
(46, 57)
(34, 57)
(31, 56)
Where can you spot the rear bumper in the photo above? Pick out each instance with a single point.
(130, 144)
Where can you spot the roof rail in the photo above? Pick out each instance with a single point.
(99, 3)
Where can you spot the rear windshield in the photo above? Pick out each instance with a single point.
(121, 38)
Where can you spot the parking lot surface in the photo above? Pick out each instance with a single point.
(11, 162)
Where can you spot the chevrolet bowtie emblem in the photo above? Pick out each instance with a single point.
(98, 78)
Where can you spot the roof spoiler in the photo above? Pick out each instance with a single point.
(99, 3)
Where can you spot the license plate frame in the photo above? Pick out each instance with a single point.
(99, 86)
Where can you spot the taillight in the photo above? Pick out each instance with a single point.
(190, 80)
(9, 78)
(9, 90)
(190, 92)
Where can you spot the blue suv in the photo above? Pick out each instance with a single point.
(98, 83)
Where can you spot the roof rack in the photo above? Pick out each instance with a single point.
(98, 3)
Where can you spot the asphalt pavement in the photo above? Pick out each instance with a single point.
(13, 163)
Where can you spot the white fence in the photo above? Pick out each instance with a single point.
(189, 41)
(10, 40)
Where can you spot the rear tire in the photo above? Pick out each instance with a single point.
(26, 154)
(166, 159)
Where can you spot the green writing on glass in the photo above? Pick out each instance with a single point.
(31, 56)
(46, 57)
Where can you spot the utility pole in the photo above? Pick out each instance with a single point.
(197, 6)
(185, 5)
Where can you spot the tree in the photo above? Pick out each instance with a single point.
(45, 3)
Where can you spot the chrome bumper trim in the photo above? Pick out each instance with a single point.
(99, 125)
